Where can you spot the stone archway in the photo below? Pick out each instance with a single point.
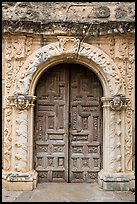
(70, 49)
(18, 138)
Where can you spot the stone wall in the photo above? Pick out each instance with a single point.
(29, 26)
(68, 11)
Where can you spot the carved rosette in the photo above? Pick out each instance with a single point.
(69, 44)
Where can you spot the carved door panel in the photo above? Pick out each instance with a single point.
(68, 125)
(86, 125)
(51, 126)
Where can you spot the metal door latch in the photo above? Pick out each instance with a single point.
(69, 123)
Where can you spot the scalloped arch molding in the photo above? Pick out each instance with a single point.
(70, 49)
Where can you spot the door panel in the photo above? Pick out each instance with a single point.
(68, 125)
(51, 126)
(86, 125)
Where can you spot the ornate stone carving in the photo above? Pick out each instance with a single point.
(118, 137)
(14, 54)
(117, 102)
(21, 135)
(8, 64)
(7, 136)
(128, 138)
(124, 57)
(21, 125)
(70, 46)
(18, 48)
(111, 47)
(130, 67)
(22, 102)
(28, 46)
(8, 46)
(112, 162)
(121, 48)
(107, 66)
(116, 107)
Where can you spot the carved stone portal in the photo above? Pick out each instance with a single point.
(18, 170)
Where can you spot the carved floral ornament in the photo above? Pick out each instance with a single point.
(116, 103)
(69, 44)
(70, 48)
(21, 101)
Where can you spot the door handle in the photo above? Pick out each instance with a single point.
(69, 122)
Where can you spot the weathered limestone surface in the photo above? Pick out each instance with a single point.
(68, 11)
(37, 35)
(74, 18)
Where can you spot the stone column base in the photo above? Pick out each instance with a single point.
(116, 181)
(19, 181)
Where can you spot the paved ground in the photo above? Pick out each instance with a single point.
(67, 192)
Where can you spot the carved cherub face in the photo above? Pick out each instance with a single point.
(116, 102)
(21, 100)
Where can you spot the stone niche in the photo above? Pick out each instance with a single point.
(32, 43)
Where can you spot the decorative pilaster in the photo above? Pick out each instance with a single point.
(19, 168)
(113, 175)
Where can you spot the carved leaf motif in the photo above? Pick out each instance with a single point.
(20, 151)
(118, 150)
(7, 138)
(18, 48)
(56, 49)
(28, 46)
(112, 142)
(128, 138)
(121, 48)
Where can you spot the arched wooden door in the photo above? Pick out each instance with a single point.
(68, 125)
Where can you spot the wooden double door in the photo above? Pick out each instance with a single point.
(68, 125)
